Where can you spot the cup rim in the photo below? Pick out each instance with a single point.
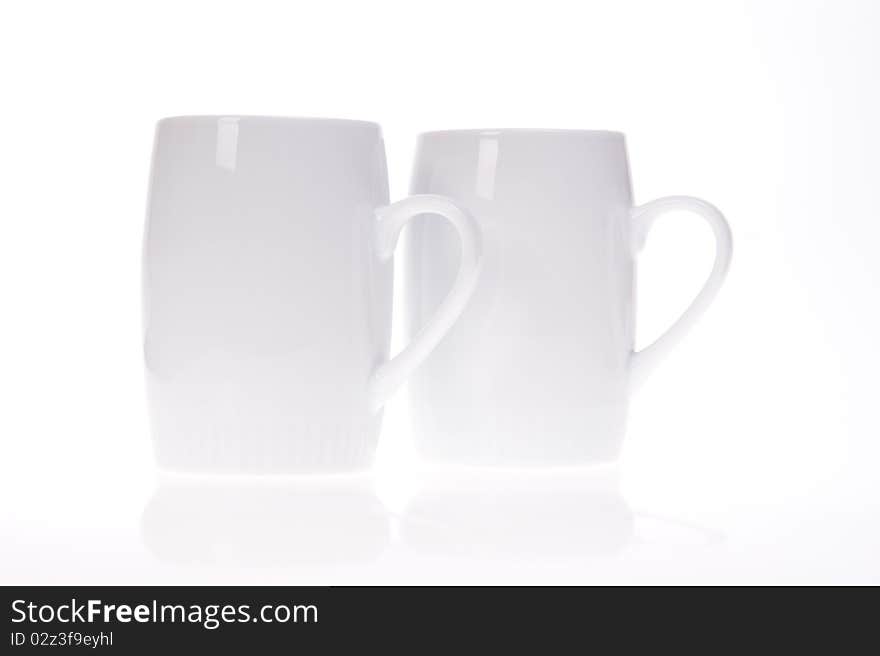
(268, 118)
(525, 131)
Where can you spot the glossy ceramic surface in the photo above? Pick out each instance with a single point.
(539, 368)
(267, 292)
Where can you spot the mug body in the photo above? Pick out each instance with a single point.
(536, 370)
(266, 309)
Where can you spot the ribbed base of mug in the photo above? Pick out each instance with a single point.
(522, 439)
(312, 449)
(553, 456)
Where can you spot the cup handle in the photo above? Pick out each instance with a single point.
(390, 221)
(643, 217)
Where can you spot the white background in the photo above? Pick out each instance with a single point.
(752, 454)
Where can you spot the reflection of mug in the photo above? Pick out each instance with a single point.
(267, 292)
(538, 368)
(265, 522)
(531, 515)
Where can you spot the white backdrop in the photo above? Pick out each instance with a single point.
(752, 452)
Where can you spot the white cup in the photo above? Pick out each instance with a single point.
(267, 292)
(539, 366)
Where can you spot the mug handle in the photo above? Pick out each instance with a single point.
(643, 217)
(390, 221)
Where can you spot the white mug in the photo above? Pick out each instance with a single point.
(267, 292)
(539, 367)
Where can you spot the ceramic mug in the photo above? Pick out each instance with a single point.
(267, 292)
(539, 366)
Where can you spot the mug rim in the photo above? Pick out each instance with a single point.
(525, 131)
(269, 118)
